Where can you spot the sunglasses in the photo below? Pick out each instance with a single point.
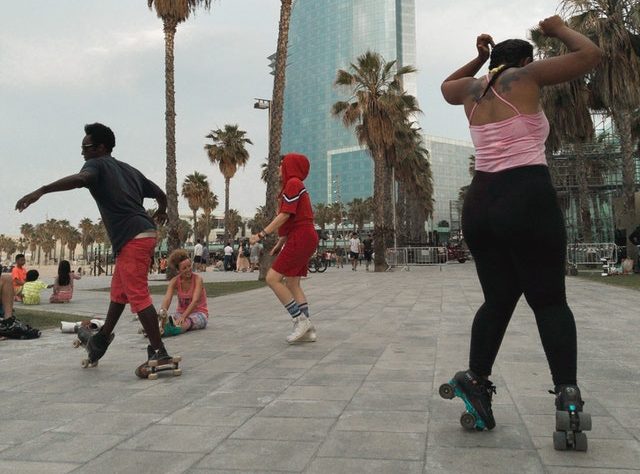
(87, 146)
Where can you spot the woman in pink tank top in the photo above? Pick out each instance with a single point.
(192, 311)
(511, 219)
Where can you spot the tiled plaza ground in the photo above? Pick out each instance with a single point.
(362, 399)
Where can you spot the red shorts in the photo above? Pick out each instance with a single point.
(293, 259)
(129, 282)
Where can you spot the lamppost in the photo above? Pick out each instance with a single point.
(265, 104)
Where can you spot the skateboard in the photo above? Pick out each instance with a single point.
(155, 369)
(570, 425)
(469, 419)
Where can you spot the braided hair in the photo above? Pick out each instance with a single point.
(506, 54)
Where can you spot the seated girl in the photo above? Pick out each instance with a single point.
(63, 284)
(192, 312)
(32, 288)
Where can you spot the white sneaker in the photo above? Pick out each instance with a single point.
(301, 325)
(310, 335)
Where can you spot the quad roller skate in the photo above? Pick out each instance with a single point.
(158, 361)
(476, 394)
(96, 345)
(571, 421)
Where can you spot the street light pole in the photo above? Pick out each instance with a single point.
(265, 104)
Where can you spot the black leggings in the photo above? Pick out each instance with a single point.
(515, 231)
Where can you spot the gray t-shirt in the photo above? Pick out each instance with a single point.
(119, 190)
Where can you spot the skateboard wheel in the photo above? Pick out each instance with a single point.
(446, 391)
(177, 372)
(152, 376)
(177, 359)
(560, 440)
(563, 421)
(468, 421)
(585, 421)
(76, 343)
(581, 441)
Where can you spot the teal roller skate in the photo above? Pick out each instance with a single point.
(476, 394)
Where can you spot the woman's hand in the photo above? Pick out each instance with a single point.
(551, 26)
(482, 45)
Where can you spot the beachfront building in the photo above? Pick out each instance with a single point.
(324, 37)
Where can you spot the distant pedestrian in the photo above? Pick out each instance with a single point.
(367, 247)
(242, 261)
(254, 255)
(354, 250)
(297, 243)
(197, 256)
(228, 257)
(339, 257)
(19, 276)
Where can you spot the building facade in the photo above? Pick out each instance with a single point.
(450, 167)
(326, 36)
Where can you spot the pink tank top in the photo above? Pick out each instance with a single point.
(184, 298)
(510, 143)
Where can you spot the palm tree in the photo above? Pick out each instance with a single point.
(234, 221)
(184, 231)
(172, 12)
(74, 238)
(195, 189)
(358, 211)
(208, 205)
(259, 221)
(321, 214)
(228, 150)
(276, 117)
(28, 232)
(615, 85)
(86, 233)
(376, 104)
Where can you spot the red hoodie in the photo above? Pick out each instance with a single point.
(295, 198)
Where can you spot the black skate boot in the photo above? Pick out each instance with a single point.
(157, 361)
(12, 328)
(571, 421)
(477, 394)
(96, 347)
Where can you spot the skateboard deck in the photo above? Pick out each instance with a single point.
(173, 366)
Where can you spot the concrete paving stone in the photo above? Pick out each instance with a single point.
(14, 432)
(340, 368)
(397, 375)
(55, 411)
(260, 455)
(62, 447)
(304, 408)
(245, 383)
(237, 398)
(627, 417)
(178, 438)
(328, 379)
(209, 416)
(394, 421)
(107, 423)
(470, 460)
(586, 470)
(276, 372)
(28, 467)
(398, 388)
(603, 427)
(363, 466)
(374, 445)
(602, 454)
(451, 434)
(615, 399)
(141, 404)
(370, 400)
(292, 429)
(319, 392)
(140, 462)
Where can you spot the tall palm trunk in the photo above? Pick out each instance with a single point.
(380, 191)
(195, 225)
(226, 208)
(170, 133)
(583, 193)
(622, 119)
(275, 132)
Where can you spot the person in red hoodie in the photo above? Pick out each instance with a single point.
(297, 242)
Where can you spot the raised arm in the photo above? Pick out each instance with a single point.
(583, 56)
(455, 87)
(78, 180)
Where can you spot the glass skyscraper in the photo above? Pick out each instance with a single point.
(324, 36)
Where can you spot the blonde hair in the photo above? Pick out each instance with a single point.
(178, 256)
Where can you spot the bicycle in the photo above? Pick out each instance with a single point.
(317, 264)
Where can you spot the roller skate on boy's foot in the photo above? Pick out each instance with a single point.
(96, 346)
(158, 361)
(301, 325)
(477, 394)
(571, 421)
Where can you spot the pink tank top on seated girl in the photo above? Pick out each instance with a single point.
(510, 143)
(184, 298)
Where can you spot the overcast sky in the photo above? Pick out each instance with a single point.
(65, 63)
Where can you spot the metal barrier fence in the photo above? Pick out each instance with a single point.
(403, 257)
(591, 254)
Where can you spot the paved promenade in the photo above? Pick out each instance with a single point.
(362, 399)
